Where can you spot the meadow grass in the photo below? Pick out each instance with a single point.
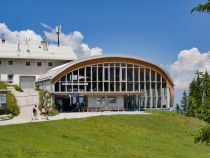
(126, 136)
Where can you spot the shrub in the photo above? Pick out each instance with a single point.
(3, 85)
(45, 99)
(53, 111)
(37, 88)
(12, 104)
(203, 136)
(18, 88)
(4, 111)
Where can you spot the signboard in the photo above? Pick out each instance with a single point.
(76, 84)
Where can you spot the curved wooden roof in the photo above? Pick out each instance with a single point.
(63, 70)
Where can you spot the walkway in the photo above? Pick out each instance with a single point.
(27, 99)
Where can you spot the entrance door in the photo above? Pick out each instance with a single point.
(62, 104)
(132, 103)
(70, 104)
(77, 103)
(27, 82)
(66, 105)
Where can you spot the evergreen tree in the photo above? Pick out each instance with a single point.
(202, 7)
(184, 102)
(192, 99)
(177, 109)
(196, 95)
(205, 85)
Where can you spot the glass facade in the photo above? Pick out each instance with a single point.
(149, 86)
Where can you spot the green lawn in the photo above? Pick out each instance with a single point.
(142, 136)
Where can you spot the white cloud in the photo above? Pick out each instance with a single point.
(74, 39)
(188, 63)
(46, 26)
(12, 36)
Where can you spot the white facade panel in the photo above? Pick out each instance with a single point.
(19, 68)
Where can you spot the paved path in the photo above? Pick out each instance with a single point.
(27, 99)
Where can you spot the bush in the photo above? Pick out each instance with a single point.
(53, 111)
(18, 88)
(3, 85)
(12, 104)
(203, 136)
(45, 99)
(4, 111)
(37, 88)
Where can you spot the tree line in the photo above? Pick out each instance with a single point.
(196, 103)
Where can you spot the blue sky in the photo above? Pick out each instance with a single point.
(157, 29)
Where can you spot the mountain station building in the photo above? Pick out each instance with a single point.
(96, 83)
(112, 82)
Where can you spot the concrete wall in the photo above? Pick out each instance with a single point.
(19, 68)
(119, 103)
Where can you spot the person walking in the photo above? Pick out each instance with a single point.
(35, 113)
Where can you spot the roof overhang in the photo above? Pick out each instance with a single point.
(56, 73)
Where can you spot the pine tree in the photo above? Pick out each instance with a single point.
(196, 95)
(177, 109)
(184, 102)
(205, 85)
(192, 99)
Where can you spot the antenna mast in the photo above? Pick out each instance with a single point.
(18, 42)
(58, 31)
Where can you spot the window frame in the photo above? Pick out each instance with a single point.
(10, 62)
(26, 63)
(50, 64)
(37, 63)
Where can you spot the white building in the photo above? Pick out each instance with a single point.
(23, 64)
(116, 82)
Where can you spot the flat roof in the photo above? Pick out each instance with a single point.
(53, 52)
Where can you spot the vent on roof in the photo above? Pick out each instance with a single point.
(44, 44)
(3, 41)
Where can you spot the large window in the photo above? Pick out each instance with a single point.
(116, 77)
(106, 73)
(112, 77)
(123, 72)
(130, 74)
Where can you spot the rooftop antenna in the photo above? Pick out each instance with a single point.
(58, 31)
(18, 42)
(27, 43)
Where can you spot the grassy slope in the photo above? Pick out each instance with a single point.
(144, 136)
